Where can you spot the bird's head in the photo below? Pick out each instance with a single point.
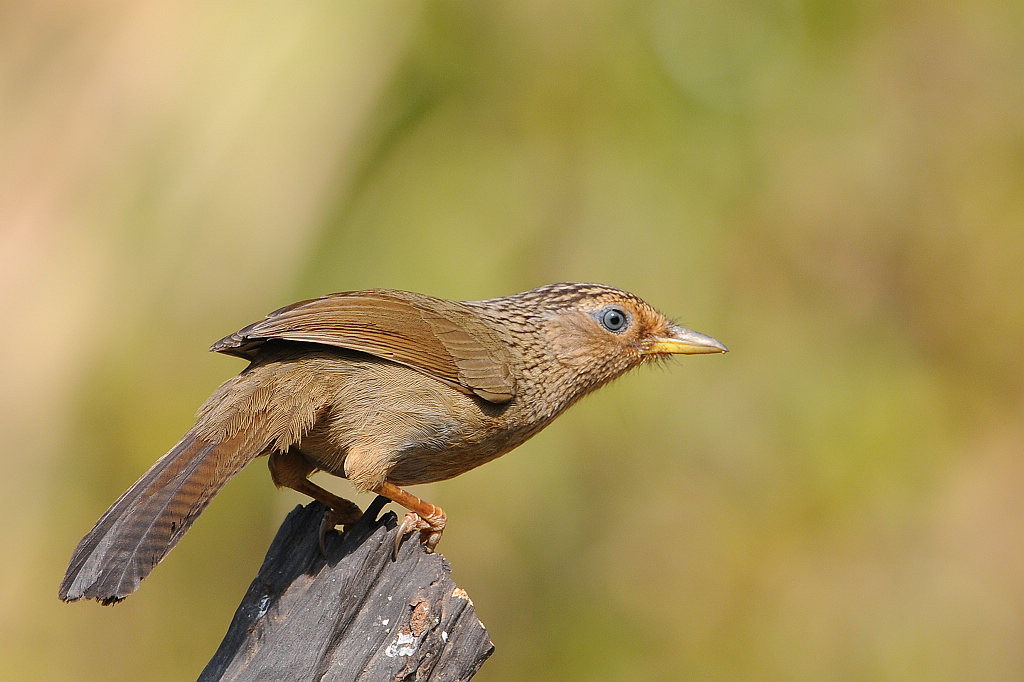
(596, 333)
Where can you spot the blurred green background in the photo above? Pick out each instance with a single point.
(834, 190)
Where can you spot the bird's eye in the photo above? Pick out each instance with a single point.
(613, 318)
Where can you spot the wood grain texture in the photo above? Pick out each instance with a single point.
(356, 615)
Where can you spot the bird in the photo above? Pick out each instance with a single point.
(387, 389)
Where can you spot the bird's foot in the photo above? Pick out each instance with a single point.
(430, 528)
(331, 520)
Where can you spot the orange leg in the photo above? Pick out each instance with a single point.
(423, 516)
(291, 469)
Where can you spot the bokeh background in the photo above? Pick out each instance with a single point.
(835, 190)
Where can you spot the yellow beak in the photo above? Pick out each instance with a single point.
(684, 341)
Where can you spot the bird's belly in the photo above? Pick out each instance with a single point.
(387, 422)
(421, 451)
(438, 458)
(418, 464)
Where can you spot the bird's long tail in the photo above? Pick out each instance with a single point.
(145, 523)
(269, 407)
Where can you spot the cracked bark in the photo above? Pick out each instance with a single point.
(355, 614)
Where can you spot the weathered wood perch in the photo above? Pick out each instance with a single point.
(355, 614)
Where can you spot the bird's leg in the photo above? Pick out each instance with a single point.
(291, 469)
(423, 516)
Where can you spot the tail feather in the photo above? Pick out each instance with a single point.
(147, 521)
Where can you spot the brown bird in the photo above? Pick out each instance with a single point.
(385, 388)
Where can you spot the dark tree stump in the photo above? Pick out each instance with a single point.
(354, 615)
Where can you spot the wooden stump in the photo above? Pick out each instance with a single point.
(355, 614)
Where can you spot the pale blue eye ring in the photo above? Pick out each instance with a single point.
(613, 318)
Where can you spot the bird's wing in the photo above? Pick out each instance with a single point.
(443, 339)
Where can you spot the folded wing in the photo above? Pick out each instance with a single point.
(442, 339)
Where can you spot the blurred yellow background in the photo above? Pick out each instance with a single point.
(834, 190)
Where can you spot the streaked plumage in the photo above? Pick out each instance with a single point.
(386, 388)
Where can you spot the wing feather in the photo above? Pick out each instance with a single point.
(443, 339)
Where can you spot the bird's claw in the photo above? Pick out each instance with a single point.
(430, 529)
(329, 522)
